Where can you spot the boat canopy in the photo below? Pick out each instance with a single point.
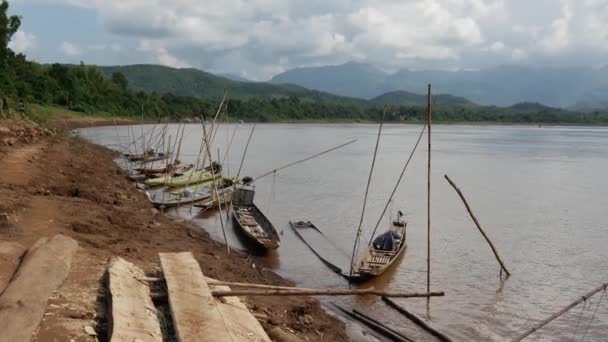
(387, 241)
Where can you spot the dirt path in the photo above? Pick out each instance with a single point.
(17, 164)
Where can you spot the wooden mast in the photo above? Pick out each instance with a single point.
(428, 201)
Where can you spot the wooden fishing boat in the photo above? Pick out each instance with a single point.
(149, 156)
(200, 192)
(162, 179)
(159, 166)
(251, 221)
(225, 196)
(195, 177)
(380, 254)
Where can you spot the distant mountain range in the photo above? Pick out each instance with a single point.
(197, 83)
(502, 86)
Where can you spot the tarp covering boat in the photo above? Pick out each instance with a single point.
(388, 241)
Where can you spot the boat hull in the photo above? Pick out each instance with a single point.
(254, 224)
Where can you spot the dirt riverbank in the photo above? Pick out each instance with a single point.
(58, 183)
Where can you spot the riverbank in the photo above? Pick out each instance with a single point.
(53, 182)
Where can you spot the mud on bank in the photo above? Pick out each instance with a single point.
(58, 183)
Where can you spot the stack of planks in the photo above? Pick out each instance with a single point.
(27, 280)
(196, 314)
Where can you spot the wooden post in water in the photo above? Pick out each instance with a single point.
(428, 198)
(466, 204)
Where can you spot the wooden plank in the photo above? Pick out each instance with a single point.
(242, 325)
(24, 301)
(196, 316)
(133, 315)
(10, 258)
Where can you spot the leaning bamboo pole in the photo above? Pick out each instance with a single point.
(560, 312)
(325, 292)
(466, 204)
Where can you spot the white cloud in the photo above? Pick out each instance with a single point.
(22, 42)
(250, 36)
(519, 54)
(70, 50)
(162, 55)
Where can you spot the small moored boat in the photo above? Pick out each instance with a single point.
(250, 219)
(381, 254)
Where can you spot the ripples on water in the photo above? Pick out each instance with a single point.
(540, 193)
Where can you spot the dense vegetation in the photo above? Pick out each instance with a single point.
(89, 89)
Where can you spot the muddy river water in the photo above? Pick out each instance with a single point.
(540, 193)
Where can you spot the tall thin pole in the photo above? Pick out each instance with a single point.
(369, 180)
(428, 197)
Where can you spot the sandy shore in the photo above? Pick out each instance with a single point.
(58, 183)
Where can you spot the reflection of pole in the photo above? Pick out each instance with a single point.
(428, 198)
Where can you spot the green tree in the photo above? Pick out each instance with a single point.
(8, 27)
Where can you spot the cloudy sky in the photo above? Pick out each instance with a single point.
(259, 38)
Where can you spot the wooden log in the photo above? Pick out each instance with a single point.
(324, 292)
(24, 301)
(10, 258)
(414, 318)
(241, 324)
(278, 335)
(211, 281)
(132, 313)
(376, 326)
(485, 236)
(195, 314)
(560, 312)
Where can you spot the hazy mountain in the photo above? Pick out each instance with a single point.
(401, 97)
(502, 86)
(354, 79)
(198, 83)
(233, 77)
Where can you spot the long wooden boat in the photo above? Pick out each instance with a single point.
(225, 196)
(381, 254)
(197, 176)
(149, 156)
(162, 179)
(159, 166)
(169, 199)
(251, 221)
(157, 179)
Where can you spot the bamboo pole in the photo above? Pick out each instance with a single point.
(324, 292)
(560, 312)
(466, 204)
(255, 286)
(214, 185)
(414, 318)
(369, 180)
(428, 197)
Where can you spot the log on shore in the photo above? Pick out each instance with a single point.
(10, 258)
(24, 301)
(197, 316)
(133, 316)
(414, 318)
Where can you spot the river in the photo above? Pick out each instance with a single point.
(540, 193)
